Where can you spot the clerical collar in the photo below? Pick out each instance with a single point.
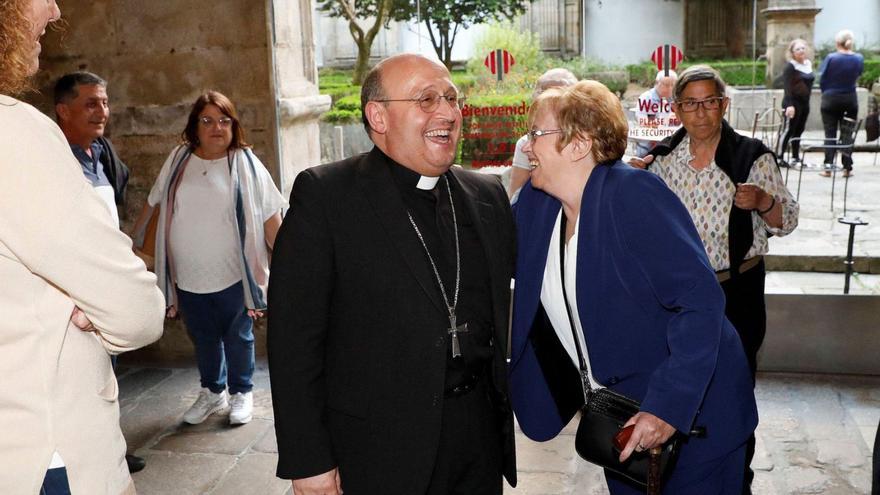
(427, 183)
(410, 180)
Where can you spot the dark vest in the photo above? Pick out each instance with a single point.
(735, 155)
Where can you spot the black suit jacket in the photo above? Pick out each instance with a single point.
(357, 336)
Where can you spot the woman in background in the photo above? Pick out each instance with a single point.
(840, 71)
(218, 214)
(797, 78)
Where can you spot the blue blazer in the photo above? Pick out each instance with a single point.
(651, 308)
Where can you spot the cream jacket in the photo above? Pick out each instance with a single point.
(58, 249)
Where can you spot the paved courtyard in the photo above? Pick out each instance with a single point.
(815, 436)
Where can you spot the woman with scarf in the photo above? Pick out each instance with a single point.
(218, 212)
(797, 78)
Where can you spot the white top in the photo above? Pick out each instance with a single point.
(520, 159)
(551, 296)
(106, 194)
(203, 232)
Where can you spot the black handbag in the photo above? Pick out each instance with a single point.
(605, 412)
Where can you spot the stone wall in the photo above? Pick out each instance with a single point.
(158, 56)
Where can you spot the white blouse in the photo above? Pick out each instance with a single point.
(551, 296)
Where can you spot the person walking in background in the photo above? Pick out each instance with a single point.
(218, 212)
(519, 173)
(840, 72)
(797, 80)
(82, 112)
(72, 294)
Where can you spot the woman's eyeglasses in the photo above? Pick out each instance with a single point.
(209, 122)
(536, 133)
(430, 100)
(713, 103)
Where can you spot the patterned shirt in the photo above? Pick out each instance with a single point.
(708, 196)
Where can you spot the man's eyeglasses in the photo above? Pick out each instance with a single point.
(713, 103)
(536, 133)
(430, 100)
(209, 122)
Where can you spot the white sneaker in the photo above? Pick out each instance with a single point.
(207, 404)
(242, 408)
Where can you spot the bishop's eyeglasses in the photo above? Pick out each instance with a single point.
(430, 100)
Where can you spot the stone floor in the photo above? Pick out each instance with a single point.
(815, 436)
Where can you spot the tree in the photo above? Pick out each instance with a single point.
(445, 18)
(382, 12)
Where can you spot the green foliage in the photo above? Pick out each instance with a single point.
(523, 45)
(364, 9)
(338, 116)
(444, 19)
(350, 103)
(463, 80)
(871, 73)
(734, 72)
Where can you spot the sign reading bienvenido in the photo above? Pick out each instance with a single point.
(491, 132)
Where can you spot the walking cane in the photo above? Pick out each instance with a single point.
(654, 481)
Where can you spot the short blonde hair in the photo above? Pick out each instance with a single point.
(586, 109)
(558, 77)
(790, 53)
(845, 38)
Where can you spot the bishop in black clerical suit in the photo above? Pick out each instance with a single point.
(388, 307)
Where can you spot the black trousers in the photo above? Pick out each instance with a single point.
(796, 127)
(469, 459)
(834, 109)
(747, 311)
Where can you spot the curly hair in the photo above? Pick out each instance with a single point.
(15, 34)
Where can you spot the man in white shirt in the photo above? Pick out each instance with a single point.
(82, 111)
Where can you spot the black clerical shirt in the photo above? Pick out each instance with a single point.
(475, 298)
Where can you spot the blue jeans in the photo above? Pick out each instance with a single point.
(223, 334)
(55, 482)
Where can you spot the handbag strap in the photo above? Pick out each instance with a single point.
(584, 370)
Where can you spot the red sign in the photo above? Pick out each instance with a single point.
(667, 57)
(499, 62)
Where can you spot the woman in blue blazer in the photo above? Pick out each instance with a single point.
(642, 296)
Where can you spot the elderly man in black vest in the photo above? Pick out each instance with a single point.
(732, 188)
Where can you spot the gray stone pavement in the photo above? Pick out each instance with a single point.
(815, 436)
(820, 242)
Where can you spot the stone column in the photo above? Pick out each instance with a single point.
(787, 20)
(295, 86)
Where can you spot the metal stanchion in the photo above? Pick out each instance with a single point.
(853, 222)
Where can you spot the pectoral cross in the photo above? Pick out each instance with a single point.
(454, 330)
